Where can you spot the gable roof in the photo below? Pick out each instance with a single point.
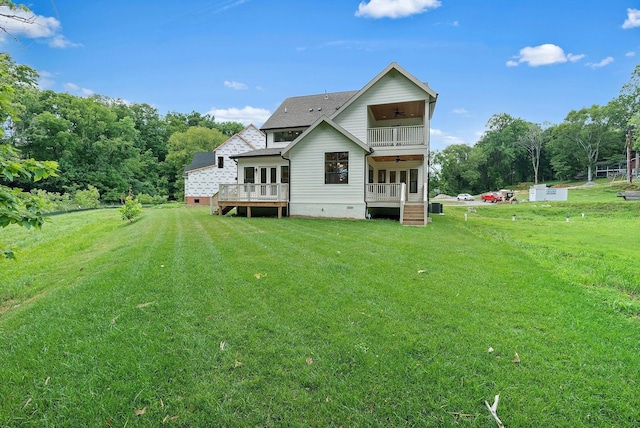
(303, 111)
(241, 136)
(394, 66)
(331, 123)
(201, 160)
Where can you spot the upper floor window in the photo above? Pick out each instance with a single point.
(284, 136)
(220, 161)
(336, 168)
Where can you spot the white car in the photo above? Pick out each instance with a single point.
(465, 197)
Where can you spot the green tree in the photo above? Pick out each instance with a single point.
(130, 209)
(17, 206)
(453, 168)
(505, 158)
(533, 141)
(588, 132)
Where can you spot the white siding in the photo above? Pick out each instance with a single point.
(206, 181)
(393, 87)
(261, 162)
(201, 182)
(309, 195)
(254, 136)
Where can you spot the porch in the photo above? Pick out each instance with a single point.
(394, 195)
(396, 136)
(252, 195)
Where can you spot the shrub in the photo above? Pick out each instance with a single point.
(146, 199)
(131, 208)
(52, 201)
(89, 198)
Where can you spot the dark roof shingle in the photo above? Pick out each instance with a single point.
(201, 160)
(300, 112)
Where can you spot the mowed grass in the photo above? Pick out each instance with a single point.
(184, 319)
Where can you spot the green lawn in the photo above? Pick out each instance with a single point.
(184, 319)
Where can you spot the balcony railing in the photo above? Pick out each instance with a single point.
(396, 136)
(277, 192)
(382, 192)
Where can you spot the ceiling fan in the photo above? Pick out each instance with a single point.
(399, 113)
(400, 160)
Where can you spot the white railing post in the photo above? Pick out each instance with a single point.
(425, 201)
(403, 189)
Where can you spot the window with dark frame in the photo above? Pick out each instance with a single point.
(220, 161)
(336, 168)
(413, 181)
(283, 136)
(284, 174)
(249, 174)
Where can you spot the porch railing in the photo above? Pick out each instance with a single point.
(277, 192)
(383, 192)
(396, 136)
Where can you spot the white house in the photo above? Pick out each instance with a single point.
(346, 155)
(208, 169)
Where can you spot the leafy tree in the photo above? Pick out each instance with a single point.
(533, 141)
(453, 162)
(229, 128)
(17, 206)
(588, 131)
(501, 149)
(130, 209)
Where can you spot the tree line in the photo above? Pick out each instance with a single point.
(513, 150)
(114, 146)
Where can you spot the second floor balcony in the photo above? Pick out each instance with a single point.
(396, 136)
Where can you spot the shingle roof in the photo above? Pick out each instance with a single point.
(299, 112)
(200, 160)
(259, 152)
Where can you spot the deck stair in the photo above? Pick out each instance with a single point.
(413, 215)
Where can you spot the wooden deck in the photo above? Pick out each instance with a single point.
(252, 195)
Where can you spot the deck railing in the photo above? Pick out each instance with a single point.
(383, 192)
(277, 192)
(396, 136)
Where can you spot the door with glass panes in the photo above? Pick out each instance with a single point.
(268, 178)
(407, 176)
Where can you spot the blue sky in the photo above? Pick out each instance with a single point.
(239, 59)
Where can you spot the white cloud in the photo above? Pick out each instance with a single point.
(460, 111)
(31, 26)
(630, 54)
(246, 115)
(75, 89)
(545, 54)
(633, 19)
(45, 80)
(441, 139)
(608, 60)
(59, 41)
(575, 58)
(394, 8)
(238, 86)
